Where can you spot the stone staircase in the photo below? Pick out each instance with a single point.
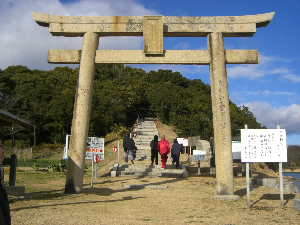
(145, 131)
(151, 171)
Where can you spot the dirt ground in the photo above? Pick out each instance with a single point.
(175, 201)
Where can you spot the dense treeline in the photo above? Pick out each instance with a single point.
(293, 153)
(45, 99)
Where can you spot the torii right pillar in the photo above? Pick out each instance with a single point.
(221, 114)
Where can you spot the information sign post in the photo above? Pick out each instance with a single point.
(281, 180)
(264, 145)
(199, 156)
(247, 180)
(92, 169)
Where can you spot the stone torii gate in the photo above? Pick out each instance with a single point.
(153, 29)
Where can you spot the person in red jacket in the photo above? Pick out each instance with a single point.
(164, 150)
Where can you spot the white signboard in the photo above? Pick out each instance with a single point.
(236, 149)
(263, 145)
(183, 141)
(95, 145)
(199, 155)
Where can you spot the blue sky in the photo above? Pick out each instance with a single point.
(270, 89)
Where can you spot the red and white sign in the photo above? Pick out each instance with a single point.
(183, 141)
(95, 146)
(96, 158)
(115, 149)
(96, 150)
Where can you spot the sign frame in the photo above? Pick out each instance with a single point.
(263, 145)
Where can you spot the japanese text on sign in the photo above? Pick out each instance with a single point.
(95, 146)
(183, 141)
(263, 145)
(199, 155)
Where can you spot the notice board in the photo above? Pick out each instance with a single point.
(199, 155)
(95, 145)
(236, 150)
(263, 145)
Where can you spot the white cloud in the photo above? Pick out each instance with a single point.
(277, 93)
(292, 77)
(242, 71)
(267, 66)
(23, 42)
(288, 117)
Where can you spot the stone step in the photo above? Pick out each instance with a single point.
(146, 132)
(150, 174)
(143, 151)
(148, 170)
(142, 158)
(144, 137)
(146, 126)
(143, 145)
(139, 167)
(143, 148)
(144, 140)
(145, 123)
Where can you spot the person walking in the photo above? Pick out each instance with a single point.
(129, 148)
(175, 152)
(4, 205)
(164, 150)
(154, 150)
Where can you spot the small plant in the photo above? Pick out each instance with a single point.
(35, 166)
(53, 167)
(261, 165)
(62, 165)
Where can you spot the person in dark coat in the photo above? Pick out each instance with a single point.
(175, 152)
(4, 205)
(129, 148)
(154, 150)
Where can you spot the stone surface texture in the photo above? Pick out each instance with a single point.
(230, 26)
(297, 204)
(81, 114)
(221, 115)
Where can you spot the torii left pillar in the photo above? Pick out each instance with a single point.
(81, 114)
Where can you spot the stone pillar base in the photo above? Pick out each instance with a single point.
(297, 204)
(15, 190)
(185, 174)
(212, 170)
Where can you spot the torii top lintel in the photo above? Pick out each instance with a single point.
(229, 26)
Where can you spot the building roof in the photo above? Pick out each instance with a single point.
(7, 119)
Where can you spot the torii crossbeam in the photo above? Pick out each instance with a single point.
(153, 29)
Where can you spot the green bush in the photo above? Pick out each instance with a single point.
(53, 167)
(35, 166)
(51, 164)
(60, 166)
